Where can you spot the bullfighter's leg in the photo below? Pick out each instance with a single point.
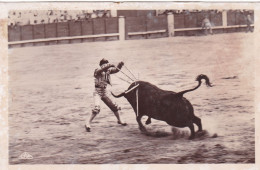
(95, 111)
(114, 108)
(148, 121)
(191, 126)
(141, 126)
(197, 121)
(118, 119)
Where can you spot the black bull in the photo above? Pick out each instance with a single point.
(167, 106)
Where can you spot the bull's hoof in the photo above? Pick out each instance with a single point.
(148, 122)
(142, 129)
(191, 137)
(200, 130)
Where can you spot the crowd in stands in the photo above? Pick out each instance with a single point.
(30, 17)
(53, 16)
(163, 12)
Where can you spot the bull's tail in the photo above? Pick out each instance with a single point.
(199, 78)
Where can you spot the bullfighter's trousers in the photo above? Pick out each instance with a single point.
(101, 93)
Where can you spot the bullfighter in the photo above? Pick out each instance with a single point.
(102, 79)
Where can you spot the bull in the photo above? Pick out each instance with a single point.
(163, 105)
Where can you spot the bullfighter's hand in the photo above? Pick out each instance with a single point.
(120, 65)
(112, 65)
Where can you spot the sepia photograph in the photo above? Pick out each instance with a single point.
(170, 85)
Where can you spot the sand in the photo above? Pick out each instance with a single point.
(51, 91)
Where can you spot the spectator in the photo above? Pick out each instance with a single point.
(72, 15)
(249, 21)
(11, 20)
(32, 18)
(206, 25)
(42, 17)
(66, 16)
(62, 18)
(53, 16)
(25, 18)
(56, 16)
(94, 15)
(17, 18)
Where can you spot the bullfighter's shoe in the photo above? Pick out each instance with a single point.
(87, 128)
(121, 123)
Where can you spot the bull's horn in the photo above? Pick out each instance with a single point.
(117, 96)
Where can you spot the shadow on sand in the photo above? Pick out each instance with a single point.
(179, 134)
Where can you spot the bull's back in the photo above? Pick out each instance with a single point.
(149, 97)
(156, 102)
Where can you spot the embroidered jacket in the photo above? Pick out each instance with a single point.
(102, 75)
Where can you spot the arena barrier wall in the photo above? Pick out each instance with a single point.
(125, 28)
(99, 29)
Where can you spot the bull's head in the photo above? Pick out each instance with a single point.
(127, 91)
(117, 96)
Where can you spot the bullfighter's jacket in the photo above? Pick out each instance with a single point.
(102, 75)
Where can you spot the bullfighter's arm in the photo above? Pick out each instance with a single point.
(100, 70)
(114, 70)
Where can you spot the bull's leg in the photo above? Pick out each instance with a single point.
(141, 126)
(192, 135)
(148, 121)
(197, 121)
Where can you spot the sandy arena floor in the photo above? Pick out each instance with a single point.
(51, 91)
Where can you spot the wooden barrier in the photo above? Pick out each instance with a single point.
(135, 24)
(189, 29)
(62, 38)
(27, 34)
(217, 27)
(231, 18)
(215, 18)
(87, 29)
(121, 28)
(65, 32)
(50, 32)
(156, 23)
(99, 27)
(111, 25)
(14, 34)
(39, 33)
(147, 32)
(191, 22)
(143, 27)
(157, 27)
(75, 29)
